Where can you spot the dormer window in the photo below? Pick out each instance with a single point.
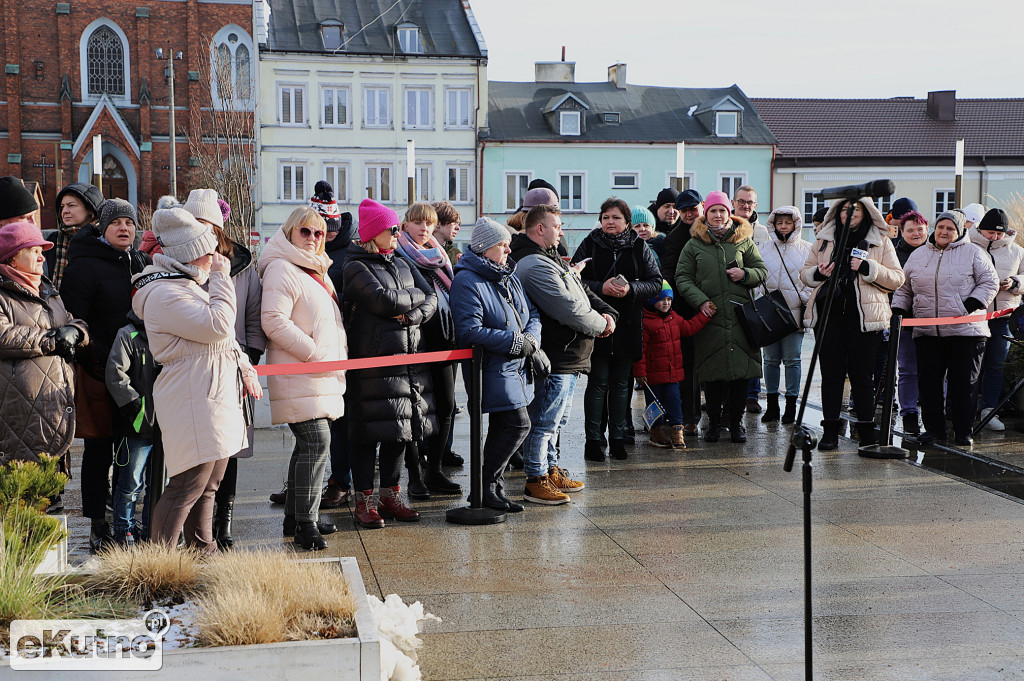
(726, 123)
(330, 33)
(610, 117)
(409, 38)
(568, 122)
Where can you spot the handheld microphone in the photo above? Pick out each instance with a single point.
(874, 189)
(861, 251)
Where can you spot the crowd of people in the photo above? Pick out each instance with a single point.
(136, 342)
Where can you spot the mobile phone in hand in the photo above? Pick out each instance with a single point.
(732, 264)
(620, 280)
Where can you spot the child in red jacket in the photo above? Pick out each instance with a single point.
(661, 367)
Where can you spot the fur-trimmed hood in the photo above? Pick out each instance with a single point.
(874, 237)
(741, 229)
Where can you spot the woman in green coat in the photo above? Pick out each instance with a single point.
(716, 269)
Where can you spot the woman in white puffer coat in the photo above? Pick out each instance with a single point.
(994, 236)
(784, 254)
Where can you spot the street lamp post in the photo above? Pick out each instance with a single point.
(171, 56)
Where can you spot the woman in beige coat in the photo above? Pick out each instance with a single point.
(198, 394)
(302, 321)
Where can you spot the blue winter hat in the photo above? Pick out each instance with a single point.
(665, 292)
(901, 207)
(688, 199)
(642, 216)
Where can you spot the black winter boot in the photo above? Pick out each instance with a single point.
(830, 438)
(789, 416)
(416, 488)
(866, 433)
(437, 482)
(222, 524)
(593, 451)
(308, 536)
(771, 413)
(911, 426)
(713, 431)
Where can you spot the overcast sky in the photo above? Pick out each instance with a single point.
(795, 48)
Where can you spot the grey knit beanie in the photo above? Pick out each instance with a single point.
(487, 233)
(958, 218)
(111, 209)
(182, 237)
(202, 203)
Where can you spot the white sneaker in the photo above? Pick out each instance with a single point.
(995, 424)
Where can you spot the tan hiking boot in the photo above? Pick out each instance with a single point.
(540, 491)
(677, 438)
(658, 438)
(561, 481)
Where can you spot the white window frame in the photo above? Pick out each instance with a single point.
(735, 123)
(949, 203)
(330, 172)
(635, 184)
(421, 107)
(301, 87)
(816, 204)
(883, 204)
(335, 89)
(737, 180)
(453, 122)
(377, 183)
(561, 123)
(244, 40)
(689, 180)
(517, 176)
(298, 193)
(409, 39)
(582, 174)
(467, 187)
(366, 103)
(332, 23)
(423, 181)
(83, 62)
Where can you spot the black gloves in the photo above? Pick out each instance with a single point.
(130, 411)
(65, 339)
(901, 312)
(972, 304)
(254, 355)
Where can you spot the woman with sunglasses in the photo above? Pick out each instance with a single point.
(386, 302)
(302, 321)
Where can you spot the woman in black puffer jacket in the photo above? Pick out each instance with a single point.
(385, 303)
(614, 249)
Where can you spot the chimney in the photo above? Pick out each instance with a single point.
(617, 75)
(555, 71)
(942, 105)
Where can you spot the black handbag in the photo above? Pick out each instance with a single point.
(538, 364)
(767, 319)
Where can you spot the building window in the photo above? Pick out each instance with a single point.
(569, 122)
(458, 184)
(625, 179)
(378, 181)
(610, 117)
(689, 180)
(293, 108)
(409, 39)
(457, 108)
(376, 107)
(945, 199)
(105, 62)
(330, 34)
(422, 179)
(730, 183)
(232, 77)
(334, 105)
(811, 205)
(293, 181)
(884, 204)
(336, 175)
(418, 108)
(516, 186)
(726, 123)
(570, 192)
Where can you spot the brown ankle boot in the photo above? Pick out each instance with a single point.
(366, 510)
(659, 438)
(677, 438)
(392, 506)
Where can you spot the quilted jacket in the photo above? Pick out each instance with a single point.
(37, 394)
(663, 349)
(1008, 259)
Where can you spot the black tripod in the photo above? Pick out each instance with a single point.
(804, 438)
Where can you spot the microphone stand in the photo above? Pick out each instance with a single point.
(806, 439)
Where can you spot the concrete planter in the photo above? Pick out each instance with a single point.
(56, 559)
(335, 660)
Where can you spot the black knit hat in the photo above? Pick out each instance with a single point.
(90, 195)
(996, 219)
(666, 195)
(111, 209)
(541, 183)
(15, 198)
(819, 215)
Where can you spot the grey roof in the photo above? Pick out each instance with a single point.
(445, 29)
(647, 114)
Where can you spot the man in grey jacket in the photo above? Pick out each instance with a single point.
(571, 318)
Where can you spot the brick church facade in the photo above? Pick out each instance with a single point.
(78, 69)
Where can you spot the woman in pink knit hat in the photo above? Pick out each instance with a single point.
(386, 301)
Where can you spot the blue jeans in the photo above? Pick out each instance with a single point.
(132, 455)
(992, 364)
(784, 352)
(671, 401)
(549, 411)
(906, 358)
(753, 388)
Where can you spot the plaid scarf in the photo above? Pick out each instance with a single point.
(60, 250)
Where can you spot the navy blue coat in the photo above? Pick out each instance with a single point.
(483, 315)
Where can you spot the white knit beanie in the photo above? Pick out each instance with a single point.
(182, 237)
(202, 203)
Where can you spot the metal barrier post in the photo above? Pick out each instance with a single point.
(885, 449)
(476, 513)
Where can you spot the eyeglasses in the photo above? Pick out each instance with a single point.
(306, 232)
(745, 203)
